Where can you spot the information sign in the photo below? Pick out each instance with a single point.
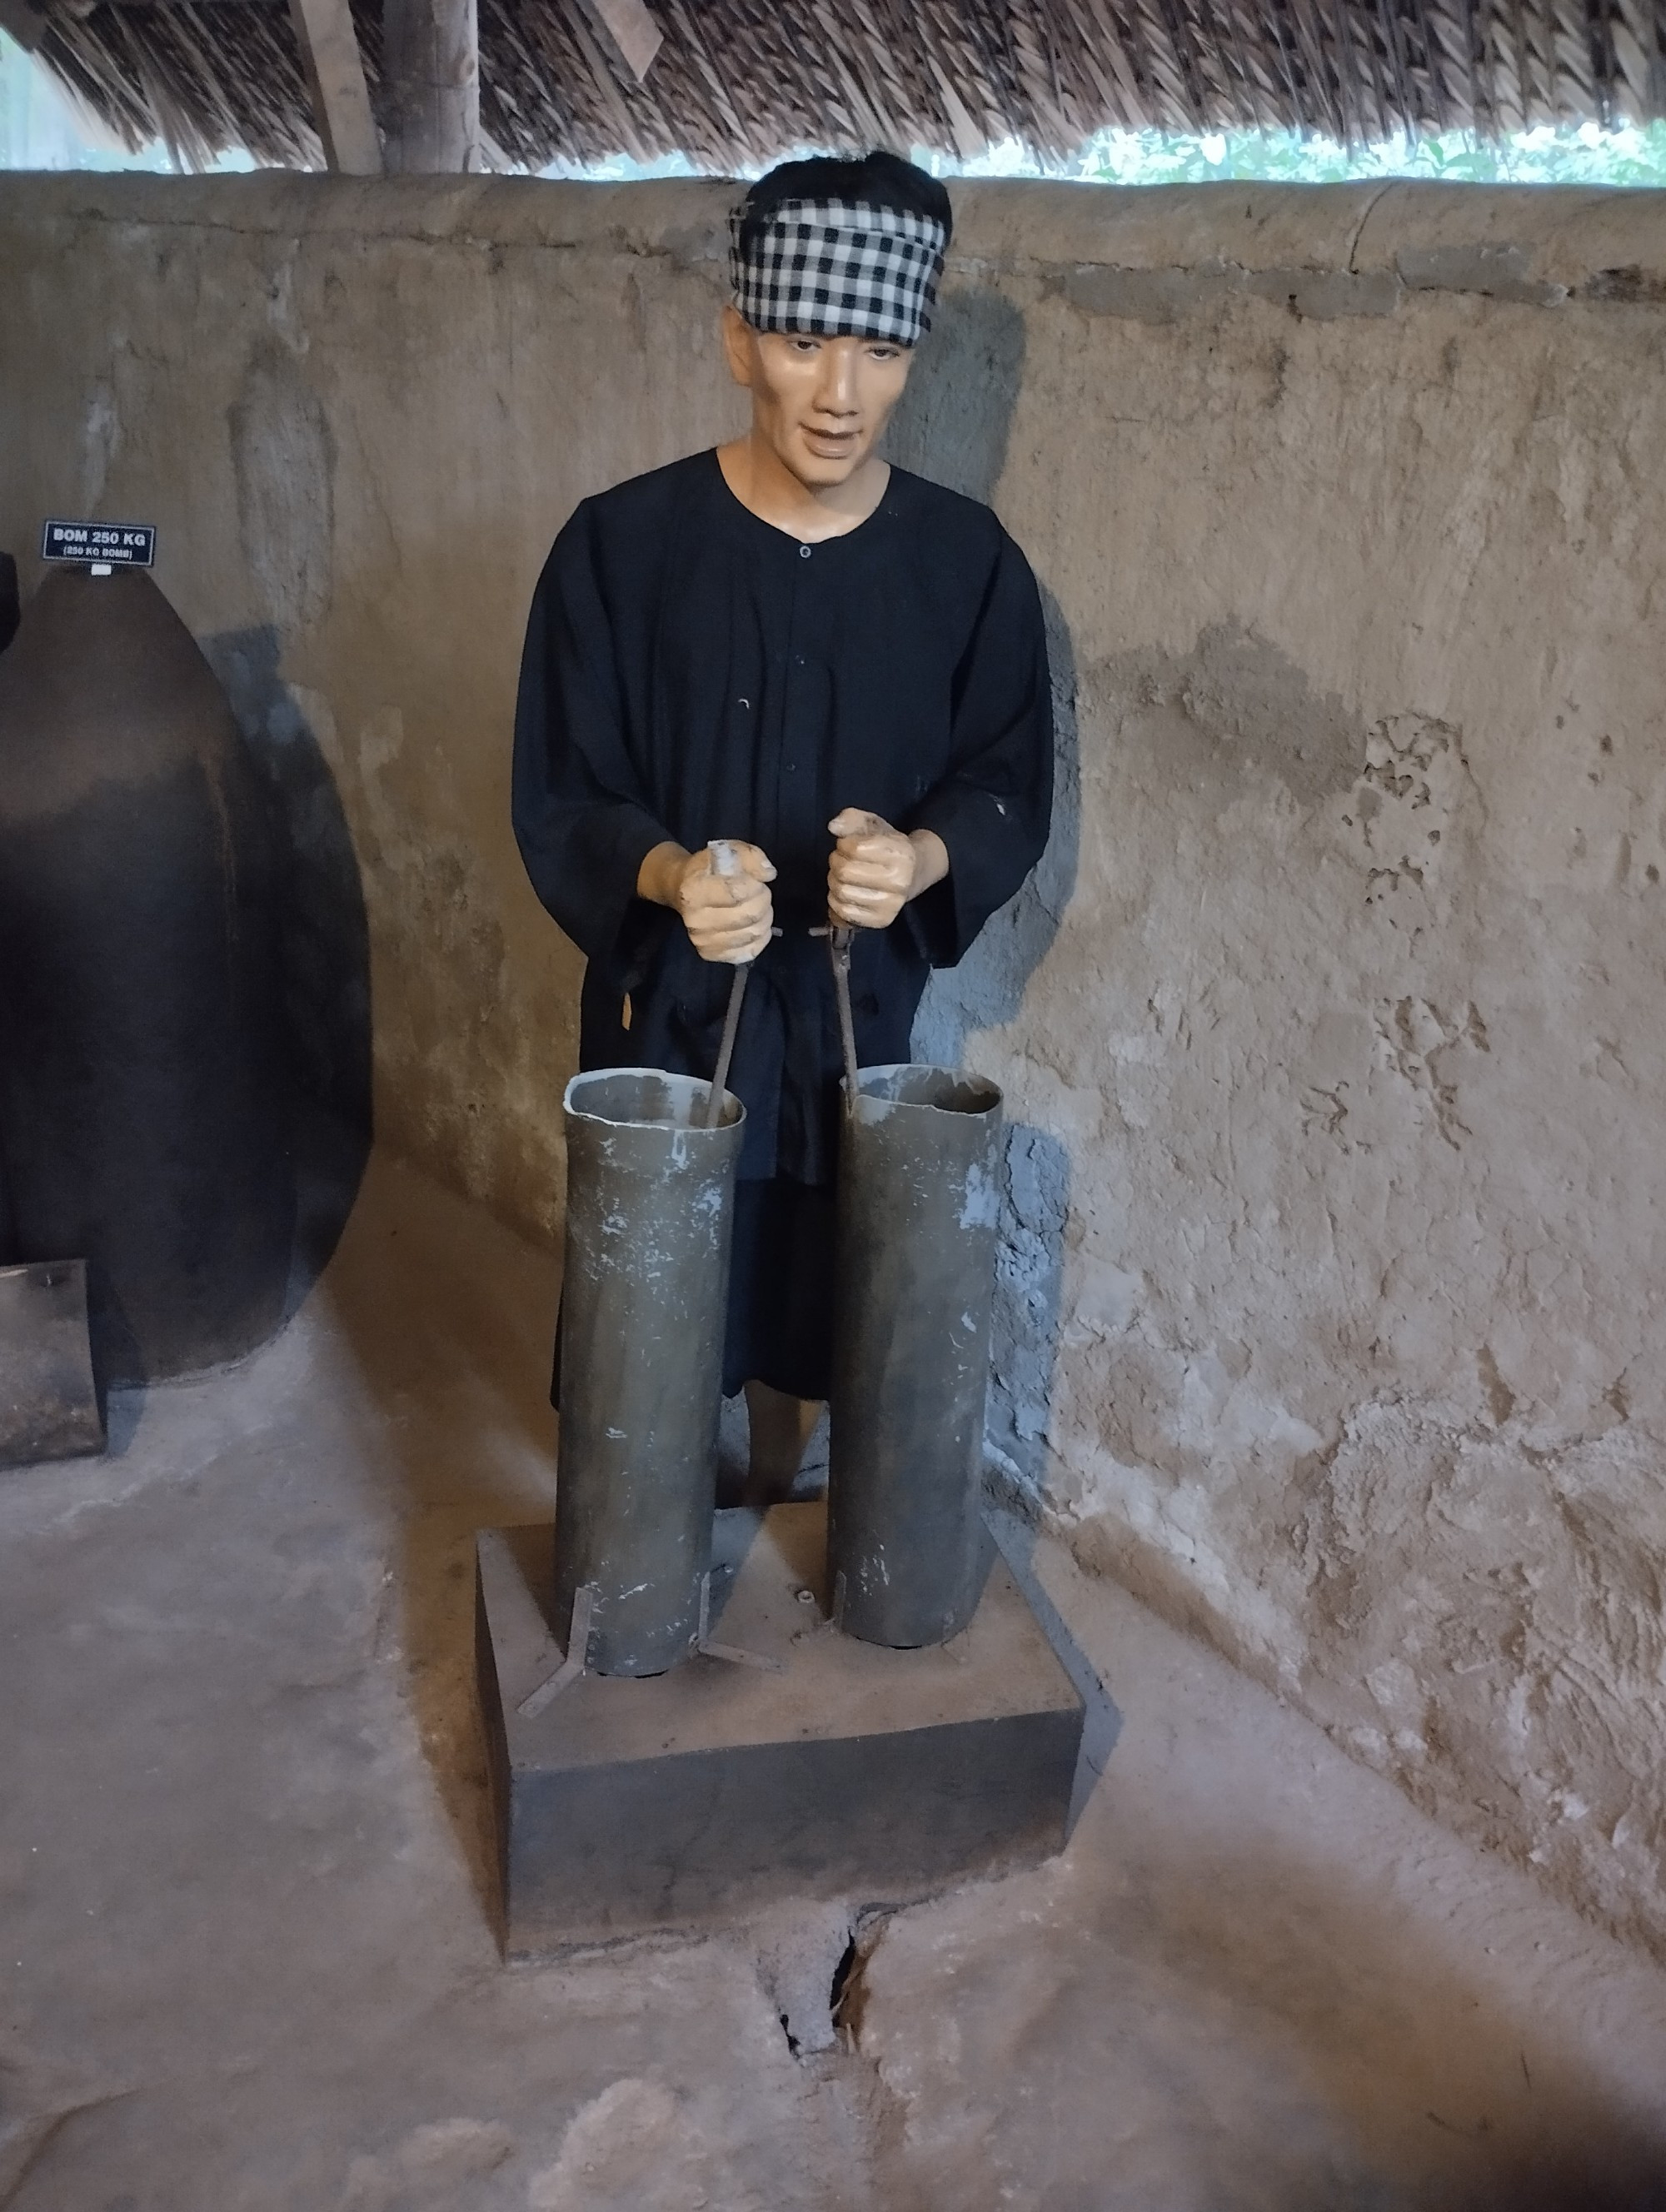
(115, 545)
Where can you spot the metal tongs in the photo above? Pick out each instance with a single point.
(726, 861)
(840, 938)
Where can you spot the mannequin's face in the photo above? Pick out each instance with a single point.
(821, 403)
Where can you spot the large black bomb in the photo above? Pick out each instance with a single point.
(9, 600)
(144, 1092)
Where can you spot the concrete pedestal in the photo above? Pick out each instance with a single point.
(691, 1798)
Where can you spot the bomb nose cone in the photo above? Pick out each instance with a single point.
(9, 605)
(143, 1091)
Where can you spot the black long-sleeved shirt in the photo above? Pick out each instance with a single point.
(690, 671)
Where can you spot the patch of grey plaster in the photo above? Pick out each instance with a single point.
(1325, 296)
(1168, 296)
(1234, 710)
(1498, 272)
(284, 458)
(1144, 295)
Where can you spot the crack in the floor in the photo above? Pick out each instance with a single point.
(810, 1962)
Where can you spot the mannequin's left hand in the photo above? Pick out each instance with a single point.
(873, 871)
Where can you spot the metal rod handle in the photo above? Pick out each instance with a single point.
(840, 938)
(726, 861)
(726, 1050)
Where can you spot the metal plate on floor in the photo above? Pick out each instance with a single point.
(49, 1405)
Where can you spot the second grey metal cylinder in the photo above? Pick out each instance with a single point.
(649, 1216)
(917, 1210)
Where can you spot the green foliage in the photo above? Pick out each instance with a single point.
(1586, 155)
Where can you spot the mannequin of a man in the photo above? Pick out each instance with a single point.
(839, 669)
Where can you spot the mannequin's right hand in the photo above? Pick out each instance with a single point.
(727, 917)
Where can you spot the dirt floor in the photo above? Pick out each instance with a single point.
(247, 1964)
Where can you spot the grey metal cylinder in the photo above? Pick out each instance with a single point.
(650, 1213)
(916, 1258)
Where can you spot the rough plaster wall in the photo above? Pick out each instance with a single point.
(358, 420)
(1331, 1027)
(1336, 1090)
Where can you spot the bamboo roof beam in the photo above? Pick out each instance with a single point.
(336, 84)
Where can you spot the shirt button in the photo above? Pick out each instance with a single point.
(804, 552)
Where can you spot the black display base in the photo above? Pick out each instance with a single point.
(49, 1405)
(695, 1797)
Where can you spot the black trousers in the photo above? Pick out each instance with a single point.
(780, 1288)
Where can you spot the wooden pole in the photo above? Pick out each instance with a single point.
(335, 80)
(431, 56)
(628, 32)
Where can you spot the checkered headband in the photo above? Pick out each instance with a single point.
(830, 269)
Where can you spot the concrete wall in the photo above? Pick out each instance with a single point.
(1331, 1030)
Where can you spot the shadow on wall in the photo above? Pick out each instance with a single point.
(1102, 1719)
(954, 425)
(325, 947)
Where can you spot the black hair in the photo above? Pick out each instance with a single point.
(876, 179)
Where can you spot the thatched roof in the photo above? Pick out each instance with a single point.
(738, 82)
